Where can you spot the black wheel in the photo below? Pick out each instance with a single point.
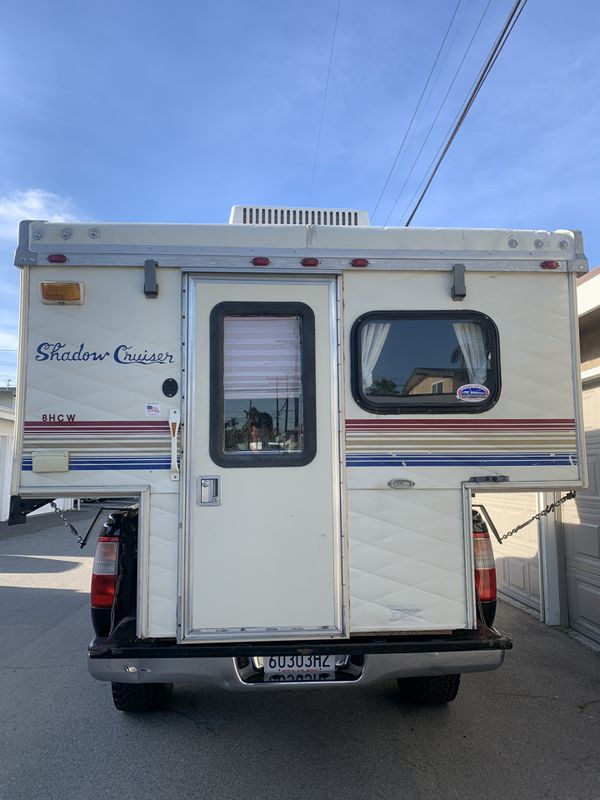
(137, 697)
(431, 690)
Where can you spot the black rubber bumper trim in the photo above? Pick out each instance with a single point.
(481, 639)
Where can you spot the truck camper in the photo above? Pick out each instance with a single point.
(302, 406)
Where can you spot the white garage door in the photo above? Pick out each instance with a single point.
(581, 522)
(517, 559)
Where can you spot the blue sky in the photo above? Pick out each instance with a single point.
(153, 111)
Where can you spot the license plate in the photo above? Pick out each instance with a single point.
(315, 667)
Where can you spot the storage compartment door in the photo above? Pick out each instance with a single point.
(408, 561)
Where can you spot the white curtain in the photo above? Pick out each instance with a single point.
(261, 357)
(374, 335)
(472, 344)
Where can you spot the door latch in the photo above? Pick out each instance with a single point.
(208, 490)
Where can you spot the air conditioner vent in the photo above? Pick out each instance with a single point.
(278, 215)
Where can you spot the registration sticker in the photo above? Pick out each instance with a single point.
(473, 392)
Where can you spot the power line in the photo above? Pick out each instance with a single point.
(393, 167)
(314, 168)
(497, 48)
(442, 104)
(441, 69)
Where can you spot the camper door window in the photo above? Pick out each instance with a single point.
(262, 393)
(433, 362)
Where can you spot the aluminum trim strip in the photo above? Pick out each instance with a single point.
(143, 576)
(21, 383)
(469, 558)
(577, 382)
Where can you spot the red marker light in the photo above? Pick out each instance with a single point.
(261, 261)
(360, 262)
(310, 262)
(549, 265)
(57, 258)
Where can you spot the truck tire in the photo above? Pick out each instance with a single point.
(431, 690)
(139, 697)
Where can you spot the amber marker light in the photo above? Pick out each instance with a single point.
(59, 293)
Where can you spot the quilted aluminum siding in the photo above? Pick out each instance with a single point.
(407, 562)
(408, 548)
(96, 409)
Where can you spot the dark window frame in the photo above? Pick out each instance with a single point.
(421, 406)
(250, 459)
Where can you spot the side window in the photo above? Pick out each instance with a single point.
(425, 362)
(262, 409)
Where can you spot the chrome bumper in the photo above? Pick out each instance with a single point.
(223, 671)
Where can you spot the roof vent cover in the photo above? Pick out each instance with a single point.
(278, 215)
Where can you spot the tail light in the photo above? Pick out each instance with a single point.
(485, 566)
(104, 572)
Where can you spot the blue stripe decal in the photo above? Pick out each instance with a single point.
(109, 464)
(354, 460)
(462, 460)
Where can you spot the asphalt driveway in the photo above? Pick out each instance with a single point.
(530, 729)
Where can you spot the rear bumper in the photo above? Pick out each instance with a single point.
(199, 664)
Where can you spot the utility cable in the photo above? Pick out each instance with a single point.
(440, 70)
(497, 48)
(437, 58)
(314, 168)
(449, 131)
(443, 103)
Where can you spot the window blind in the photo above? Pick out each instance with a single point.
(261, 357)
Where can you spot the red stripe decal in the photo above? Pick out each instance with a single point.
(97, 426)
(460, 425)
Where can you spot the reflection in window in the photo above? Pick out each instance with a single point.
(408, 359)
(262, 384)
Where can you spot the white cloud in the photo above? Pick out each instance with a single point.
(33, 204)
(14, 207)
(8, 342)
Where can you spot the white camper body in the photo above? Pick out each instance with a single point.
(352, 518)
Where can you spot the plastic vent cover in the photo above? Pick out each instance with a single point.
(277, 215)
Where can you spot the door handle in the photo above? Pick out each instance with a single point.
(208, 490)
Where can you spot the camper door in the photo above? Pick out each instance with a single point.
(262, 549)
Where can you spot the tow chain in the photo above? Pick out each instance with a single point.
(549, 508)
(67, 524)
